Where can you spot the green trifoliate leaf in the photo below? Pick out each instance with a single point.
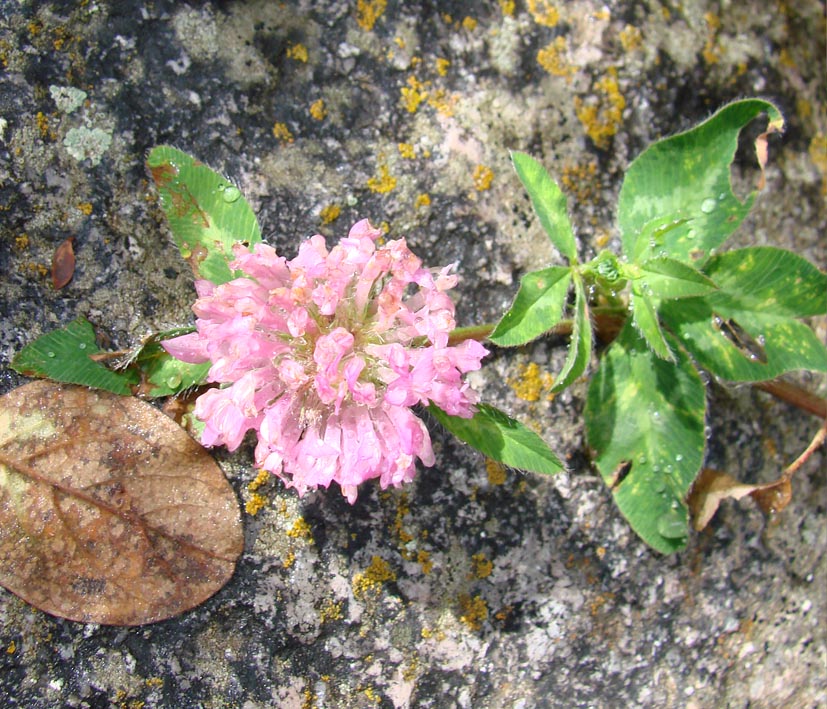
(207, 214)
(501, 438)
(688, 176)
(665, 279)
(645, 319)
(748, 330)
(645, 423)
(580, 348)
(64, 355)
(537, 308)
(549, 203)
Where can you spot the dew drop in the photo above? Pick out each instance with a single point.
(82, 346)
(708, 206)
(173, 380)
(669, 469)
(231, 194)
(690, 234)
(671, 525)
(678, 458)
(660, 486)
(50, 354)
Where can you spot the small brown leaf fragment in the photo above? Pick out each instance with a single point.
(710, 489)
(109, 512)
(63, 263)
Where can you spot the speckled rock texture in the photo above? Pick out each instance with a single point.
(473, 586)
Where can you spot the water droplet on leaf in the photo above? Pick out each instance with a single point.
(50, 354)
(708, 206)
(173, 380)
(82, 345)
(672, 525)
(231, 194)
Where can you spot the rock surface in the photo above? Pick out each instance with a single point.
(472, 587)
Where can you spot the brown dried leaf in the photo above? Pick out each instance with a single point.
(712, 487)
(109, 512)
(63, 263)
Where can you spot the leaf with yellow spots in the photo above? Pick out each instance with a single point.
(537, 308)
(207, 214)
(688, 175)
(645, 425)
(549, 203)
(749, 330)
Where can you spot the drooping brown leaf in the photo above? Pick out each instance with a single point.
(109, 512)
(713, 486)
(63, 263)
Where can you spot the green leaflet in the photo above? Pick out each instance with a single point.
(748, 330)
(549, 203)
(206, 213)
(580, 347)
(688, 175)
(645, 423)
(537, 308)
(665, 279)
(63, 355)
(502, 439)
(645, 320)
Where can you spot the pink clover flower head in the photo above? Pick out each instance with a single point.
(324, 356)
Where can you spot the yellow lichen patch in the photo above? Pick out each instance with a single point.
(474, 611)
(413, 94)
(372, 695)
(425, 562)
(12, 648)
(483, 177)
(331, 610)
(369, 581)
(818, 154)
(442, 102)
(469, 24)
(255, 504)
(43, 125)
(507, 7)
(442, 66)
(711, 52)
(532, 382)
(406, 150)
(496, 472)
(282, 132)
(21, 242)
(631, 38)
(384, 182)
(552, 58)
(423, 200)
(481, 566)
(85, 208)
(154, 682)
(544, 13)
(300, 530)
(600, 552)
(297, 52)
(368, 11)
(318, 110)
(261, 479)
(581, 182)
(289, 559)
(330, 213)
(602, 116)
(601, 238)
(427, 634)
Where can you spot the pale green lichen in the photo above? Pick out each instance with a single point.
(67, 98)
(87, 143)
